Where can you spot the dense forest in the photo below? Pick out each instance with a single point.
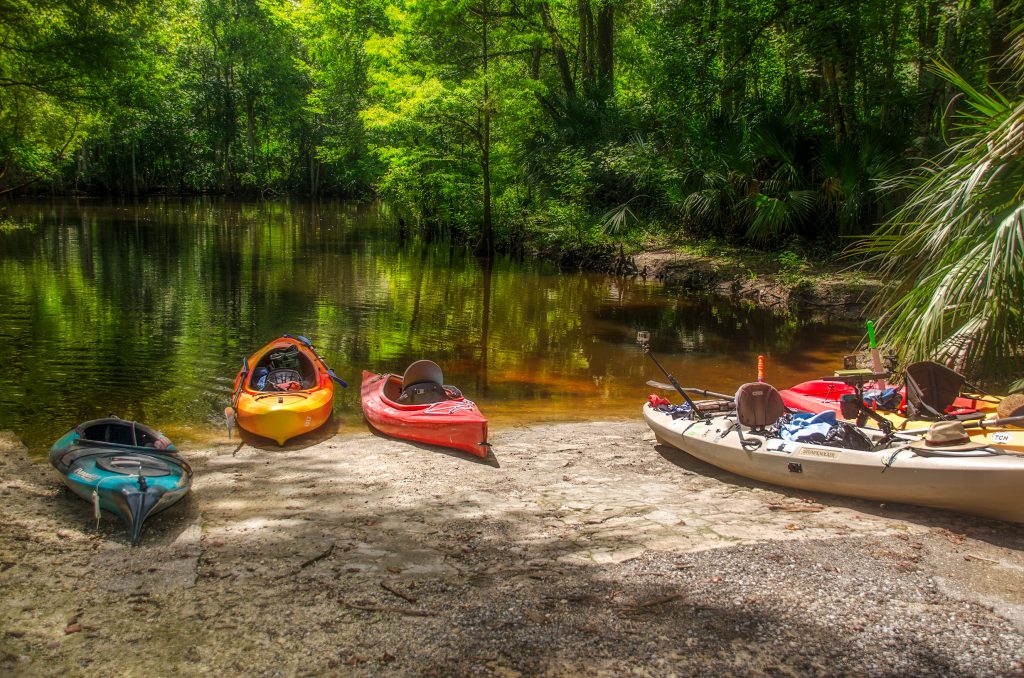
(502, 122)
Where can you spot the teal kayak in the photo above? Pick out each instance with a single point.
(123, 467)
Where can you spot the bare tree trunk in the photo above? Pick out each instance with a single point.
(135, 180)
(585, 48)
(561, 60)
(486, 247)
(605, 46)
(314, 172)
(999, 71)
(250, 112)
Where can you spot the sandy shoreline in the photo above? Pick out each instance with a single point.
(578, 548)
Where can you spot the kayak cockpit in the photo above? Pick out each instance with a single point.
(285, 367)
(116, 431)
(421, 384)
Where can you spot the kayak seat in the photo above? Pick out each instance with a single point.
(422, 384)
(121, 432)
(423, 393)
(758, 405)
(931, 388)
(305, 373)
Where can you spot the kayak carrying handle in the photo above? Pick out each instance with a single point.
(276, 394)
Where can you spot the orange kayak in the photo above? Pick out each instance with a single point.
(283, 390)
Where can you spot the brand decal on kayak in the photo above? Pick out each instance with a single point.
(450, 407)
(84, 475)
(1001, 437)
(817, 452)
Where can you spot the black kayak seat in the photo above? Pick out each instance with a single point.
(422, 384)
(931, 388)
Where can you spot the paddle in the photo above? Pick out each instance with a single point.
(644, 339)
(693, 389)
(229, 411)
(330, 372)
(876, 358)
(983, 423)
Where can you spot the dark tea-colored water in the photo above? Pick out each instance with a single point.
(145, 310)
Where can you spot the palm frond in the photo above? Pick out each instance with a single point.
(954, 253)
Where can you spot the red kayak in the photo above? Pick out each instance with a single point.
(424, 411)
(819, 395)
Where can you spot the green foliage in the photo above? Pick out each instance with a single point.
(753, 121)
(954, 253)
(793, 267)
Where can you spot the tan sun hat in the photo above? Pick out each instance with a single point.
(1011, 406)
(946, 435)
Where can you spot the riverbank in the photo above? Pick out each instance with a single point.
(783, 283)
(576, 548)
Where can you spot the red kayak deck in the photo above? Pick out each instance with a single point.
(456, 423)
(819, 395)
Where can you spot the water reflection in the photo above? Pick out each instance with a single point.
(145, 311)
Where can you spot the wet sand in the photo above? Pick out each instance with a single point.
(575, 548)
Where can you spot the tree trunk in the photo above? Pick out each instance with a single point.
(999, 71)
(486, 246)
(585, 48)
(606, 46)
(561, 60)
(927, 39)
(135, 180)
(314, 172)
(250, 112)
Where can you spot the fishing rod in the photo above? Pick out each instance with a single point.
(643, 338)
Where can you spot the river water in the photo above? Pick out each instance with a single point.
(145, 310)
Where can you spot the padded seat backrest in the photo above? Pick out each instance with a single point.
(422, 384)
(422, 371)
(758, 405)
(931, 388)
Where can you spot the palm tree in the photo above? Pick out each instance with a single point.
(953, 255)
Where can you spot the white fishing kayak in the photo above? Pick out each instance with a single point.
(987, 482)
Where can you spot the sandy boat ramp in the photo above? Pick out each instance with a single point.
(581, 548)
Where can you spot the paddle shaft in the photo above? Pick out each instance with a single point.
(672, 380)
(876, 358)
(983, 423)
(241, 383)
(692, 389)
(704, 392)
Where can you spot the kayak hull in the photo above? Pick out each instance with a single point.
(132, 482)
(986, 484)
(456, 423)
(283, 415)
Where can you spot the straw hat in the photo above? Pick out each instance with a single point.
(946, 435)
(1011, 406)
